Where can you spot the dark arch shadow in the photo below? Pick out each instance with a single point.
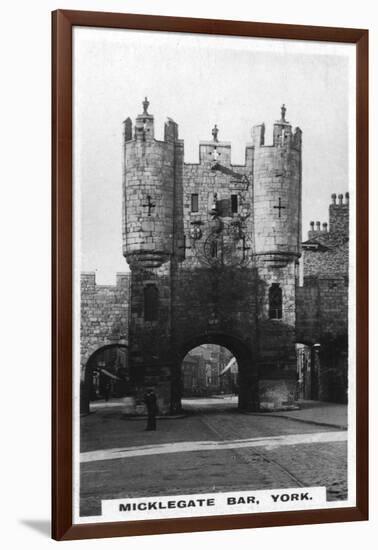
(236, 346)
(103, 348)
(85, 388)
(248, 374)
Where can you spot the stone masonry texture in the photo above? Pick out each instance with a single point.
(104, 314)
(212, 238)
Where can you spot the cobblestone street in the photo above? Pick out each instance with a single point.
(213, 448)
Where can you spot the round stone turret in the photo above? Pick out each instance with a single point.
(148, 192)
(277, 192)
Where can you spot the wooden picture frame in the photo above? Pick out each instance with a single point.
(63, 22)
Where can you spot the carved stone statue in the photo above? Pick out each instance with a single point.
(146, 104)
(214, 132)
(283, 113)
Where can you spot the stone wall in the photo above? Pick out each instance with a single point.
(104, 314)
(322, 309)
(209, 237)
(322, 301)
(277, 194)
(212, 266)
(329, 263)
(339, 215)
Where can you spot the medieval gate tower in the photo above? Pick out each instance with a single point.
(213, 250)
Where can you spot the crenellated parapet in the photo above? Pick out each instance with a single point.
(283, 135)
(159, 188)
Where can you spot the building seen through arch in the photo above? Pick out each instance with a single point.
(209, 370)
(106, 375)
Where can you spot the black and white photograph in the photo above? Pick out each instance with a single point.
(214, 275)
(188, 221)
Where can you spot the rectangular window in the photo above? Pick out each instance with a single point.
(151, 302)
(234, 204)
(194, 202)
(275, 301)
(214, 249)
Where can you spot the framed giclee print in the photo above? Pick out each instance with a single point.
(210, 274)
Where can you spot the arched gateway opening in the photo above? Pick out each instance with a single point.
(106, 376)
(209, 379)
(211, 368)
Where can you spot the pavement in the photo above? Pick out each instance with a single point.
(318, 413)
(212, 448)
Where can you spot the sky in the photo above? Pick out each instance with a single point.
(199, 81)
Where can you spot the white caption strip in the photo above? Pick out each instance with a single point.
(237, 502)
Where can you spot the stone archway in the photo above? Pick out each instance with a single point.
(205, 242)
(106, 372)
(248, 398)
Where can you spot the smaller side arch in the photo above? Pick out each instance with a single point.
(108, 363)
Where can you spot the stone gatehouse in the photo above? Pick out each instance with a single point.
(213, 250)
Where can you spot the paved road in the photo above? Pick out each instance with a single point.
(211, 449)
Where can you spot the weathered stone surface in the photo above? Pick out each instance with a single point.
(104, 314)
(213, 267)
(322, 301)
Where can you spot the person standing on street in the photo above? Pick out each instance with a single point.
(151, 404)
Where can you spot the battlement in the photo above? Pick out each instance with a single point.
(338, 218)
(212, 151)
(283, 135)
(88, 280)
(144, 129)
(159, 188)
